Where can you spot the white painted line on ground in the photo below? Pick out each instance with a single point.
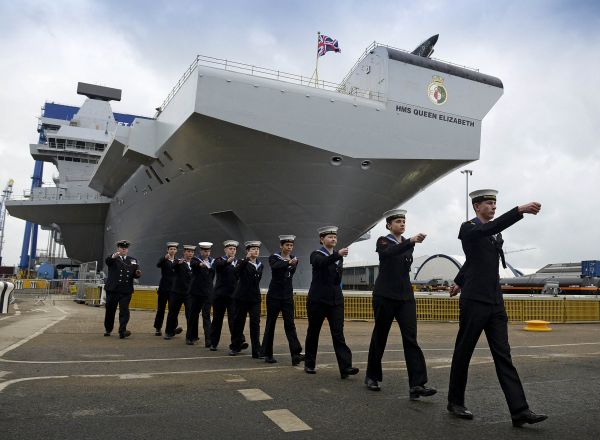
(30, 337)
(3, 385)
(287, 420)
(7, 317)
(254, 394)
(4, 373)
(135, 376)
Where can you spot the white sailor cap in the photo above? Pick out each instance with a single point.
(253, 243)
(172, 244)
(394, 214)
(123, 243)
(189, 247)
(483, 194)
(286, 238)
(326, 230)
(228, 243)
(205, 245)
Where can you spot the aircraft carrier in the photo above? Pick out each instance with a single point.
(237, 151)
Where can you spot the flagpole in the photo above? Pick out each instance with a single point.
(317, 62)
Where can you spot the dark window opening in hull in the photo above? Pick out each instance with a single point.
(189, 166)
(167, 155)
(156, 175)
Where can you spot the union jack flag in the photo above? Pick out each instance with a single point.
(327, 44)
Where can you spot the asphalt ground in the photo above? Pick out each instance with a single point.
(61, 378)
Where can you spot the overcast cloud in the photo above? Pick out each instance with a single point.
(540, 141)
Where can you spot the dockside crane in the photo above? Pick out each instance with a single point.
(5, 196)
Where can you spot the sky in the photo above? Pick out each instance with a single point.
(540, 142)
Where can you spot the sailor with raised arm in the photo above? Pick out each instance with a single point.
(393, 298)
(325, 300)
(280, 299)
(247, 300)
(180, 295)
(167, 276)
(226, 280)
(482, 306)
(203, 274)
(122, 269)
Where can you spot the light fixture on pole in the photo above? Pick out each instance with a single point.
(467, 173)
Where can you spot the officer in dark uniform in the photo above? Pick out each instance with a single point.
(393, 298)
(325, 300)
(482, 306)
(247, 300)
(122, 269)
(180, 295)
(203, 275)
(167, 275)
(226, 280)
(280, 298)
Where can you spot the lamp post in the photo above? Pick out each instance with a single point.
(467, 173)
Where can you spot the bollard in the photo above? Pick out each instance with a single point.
(5, 290)
(537, 325)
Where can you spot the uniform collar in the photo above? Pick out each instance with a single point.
(391, 237)
(324, 251)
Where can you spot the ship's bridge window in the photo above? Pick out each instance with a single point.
(100, 147)
(76, 159)
(80, 145)
(69, 159)
(70, 143)
(51, 143)
(60, 143)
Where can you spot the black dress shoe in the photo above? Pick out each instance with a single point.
(178, 330)
(350, 371)
(297, 358)
(372, 384)
(168, 336)
(527, 416)
(157, 332)
(421, 390)
(189, 342)
(233, 352)
(106, 333)
(309, 370)
(270, 360)
(244, 345)
(213, 348)
(125, 334)
(459, 411)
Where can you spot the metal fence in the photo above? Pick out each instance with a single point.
(83, 291)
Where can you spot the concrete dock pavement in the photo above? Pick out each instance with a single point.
(60, 377)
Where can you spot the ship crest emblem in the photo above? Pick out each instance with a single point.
(437, 91)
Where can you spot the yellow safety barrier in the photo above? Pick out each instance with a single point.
(537, 325)
(435, 307)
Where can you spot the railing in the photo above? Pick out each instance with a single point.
(55, 195)
(40, 291)
(262, 72)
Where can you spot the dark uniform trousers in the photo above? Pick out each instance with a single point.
(114, 299)
(161, 307)
(475, 317)
(176, 300)
(286, 307)
(206, 321)
(199, 304)
(220, 305)
(317, 312)
(243, 308)
(405, 312)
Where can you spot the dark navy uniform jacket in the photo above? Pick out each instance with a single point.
(183, 278)
(167, 274)
(226, 277)
(327, 269)
(282, 273)
(395, 258)
(478, 277)
(248, 286)
(121, 272)
(202, 277)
